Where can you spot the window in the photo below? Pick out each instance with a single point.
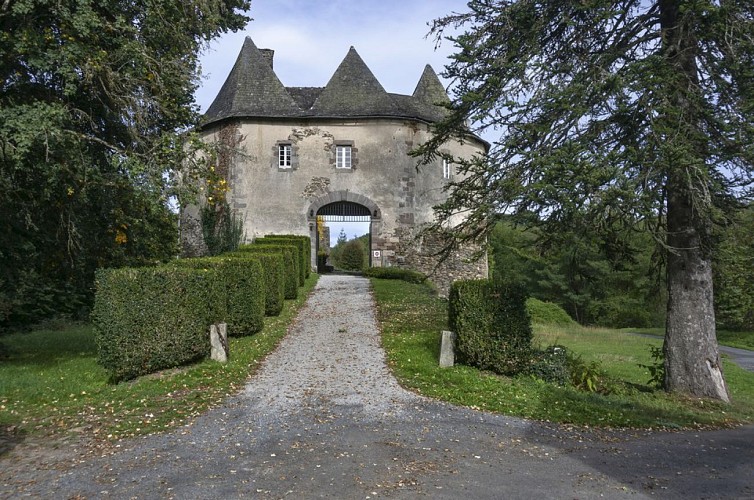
(342, 156)
(285, 155)
(447, 168)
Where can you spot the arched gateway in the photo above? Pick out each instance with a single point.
(343, 150)
(345, 206)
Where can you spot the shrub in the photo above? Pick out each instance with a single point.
(550, 365)
(303, 247)
(222, 229)
(244, 287)
(588, 377)
(322, 266)
(656, 368)
(274, 278)
(352, 257)
(295, 247)
(547, 313)
(149, 319)
(396, 273)
(492, 326)
(290, 265)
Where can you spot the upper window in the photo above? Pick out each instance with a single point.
(342, 156)
(285, 154)
(447, 168)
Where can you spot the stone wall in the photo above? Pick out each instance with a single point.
(384, 178)
(422, 253)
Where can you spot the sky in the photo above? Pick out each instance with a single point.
(311, 37)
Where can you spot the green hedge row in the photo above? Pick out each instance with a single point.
(273, 267)
(492, 325)
(298, 245)
(150, 319)
(395, 273)
(245, 286)
(290, 264)
(305, 245)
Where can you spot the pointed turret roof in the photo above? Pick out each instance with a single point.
(353, 91)
(430, 95)
(252, 89)
(429, 90)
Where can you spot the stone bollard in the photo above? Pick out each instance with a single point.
(447, 349)
(218, 338)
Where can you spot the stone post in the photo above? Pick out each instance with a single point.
(447, 349)
(218, 337)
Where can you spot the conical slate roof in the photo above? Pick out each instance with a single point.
(430, 93)
(252, 89)
(429, 90)
(353, 91)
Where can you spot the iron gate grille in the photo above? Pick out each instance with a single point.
(345, 211)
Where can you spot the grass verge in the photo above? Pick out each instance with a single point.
(50, 382)
(412, 317)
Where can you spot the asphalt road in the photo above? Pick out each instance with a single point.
(323, 418)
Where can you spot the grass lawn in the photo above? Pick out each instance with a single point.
(412, 318)
(741, 340)
(50, 382)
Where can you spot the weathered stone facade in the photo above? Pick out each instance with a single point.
(285, 170)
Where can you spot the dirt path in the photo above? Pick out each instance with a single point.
(324, 418)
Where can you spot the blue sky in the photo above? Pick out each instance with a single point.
(311, 38)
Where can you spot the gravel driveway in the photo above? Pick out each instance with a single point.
(324, 418)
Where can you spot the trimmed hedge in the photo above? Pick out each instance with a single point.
(150, 319)
(301, 253)
(274, 278)
(305, 245)
(492, 326)
(395, 273)
(244, 287)
(290, 264)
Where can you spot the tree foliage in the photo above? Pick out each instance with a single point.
(612, 115)
(94, 99)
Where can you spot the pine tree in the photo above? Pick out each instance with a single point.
(611, 114)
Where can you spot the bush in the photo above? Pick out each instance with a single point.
(396, 273)
(222, 229)
(322, 266)
(301, 252)
(274, 278)
(290, 264)
(150, 319)
(547, 313)
(550, 365)
(352, 256)
(492, 325)
(588, 377)
(245, 291)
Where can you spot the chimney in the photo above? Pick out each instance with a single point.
(268, 55)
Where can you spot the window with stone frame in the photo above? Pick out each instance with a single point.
(344, 155)
(285, 156)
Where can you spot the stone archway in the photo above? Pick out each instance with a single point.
(344, 204)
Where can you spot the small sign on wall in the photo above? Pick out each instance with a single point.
(376, 254)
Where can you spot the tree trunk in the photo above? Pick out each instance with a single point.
(692, 361)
